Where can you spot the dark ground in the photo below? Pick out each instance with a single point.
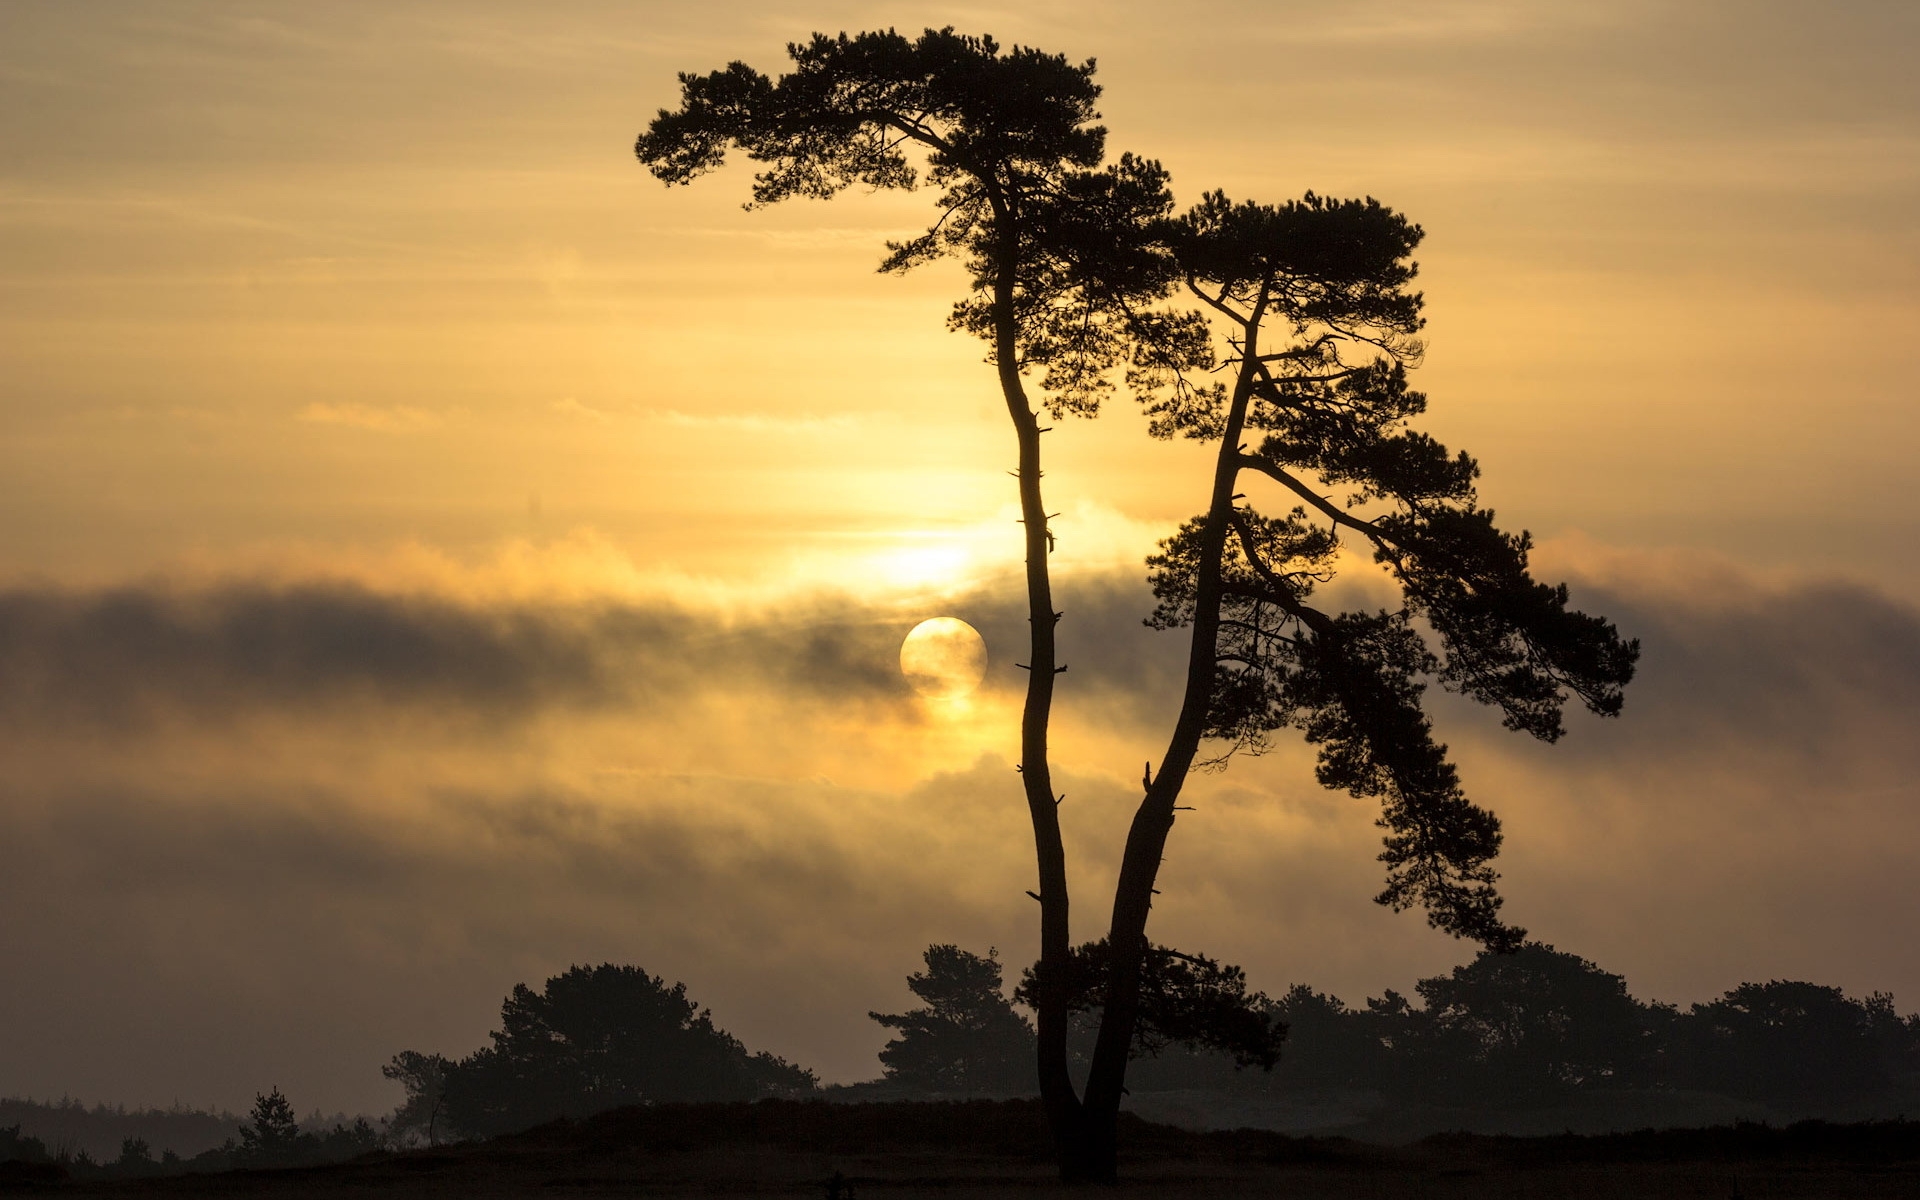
(961, 1151)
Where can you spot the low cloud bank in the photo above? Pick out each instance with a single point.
(121, 657)
(270, 835)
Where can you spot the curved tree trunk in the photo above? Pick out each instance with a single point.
(1153, 820)
(1063, 1108)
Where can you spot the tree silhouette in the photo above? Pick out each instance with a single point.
(1061, 252)
(1329, 1044)
(273, 1139)
(967, 1037)
(136, 1157)
(1527, 1025)
(17, 1147)
(1185, 999)
(1067, 260)
(1789, 1043)
(424, 1076)
(596, 1038)
(1329, 400)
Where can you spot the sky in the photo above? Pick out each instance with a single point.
(433, 553)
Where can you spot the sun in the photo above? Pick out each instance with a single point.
(944, 658)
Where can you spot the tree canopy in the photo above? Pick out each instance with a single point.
(1069, 262)
(966, 1037)
(1320, 331)
(1060, 248)
(599, 1037)
(1061, 252)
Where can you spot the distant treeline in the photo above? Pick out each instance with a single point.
(67, 1126)
(1526, 1030)
(271, 1137)
(1539, 1025)
(1533, 1028)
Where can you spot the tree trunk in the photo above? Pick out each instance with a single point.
(1153, 820)
(1063, 1109)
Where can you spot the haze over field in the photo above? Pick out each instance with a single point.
(433, 554)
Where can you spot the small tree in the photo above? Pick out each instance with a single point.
(967, 1038)
(1061, 252)
(273, 1138)
(136, 1157)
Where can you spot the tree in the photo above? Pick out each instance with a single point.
(1185, 999)
(16, 1147)
(597, 1038)
(136, 1157)
(1329, 1044)
(1061, 252)
(424, 1076)
(1332, 276)
(967, 1037)
(1797, 1045)
(1067, 260)
(1527, 1026)
(273, 1139)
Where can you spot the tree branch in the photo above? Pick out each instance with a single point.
(1327, 508)
(1306, 351)
(1220, 304)
(1313, 618)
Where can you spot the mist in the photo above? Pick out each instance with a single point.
(269, 832)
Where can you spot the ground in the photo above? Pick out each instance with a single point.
(985, 1149)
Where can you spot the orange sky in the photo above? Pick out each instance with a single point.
(391, 273)
(296, 295)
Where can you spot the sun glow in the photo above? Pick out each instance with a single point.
(943, 563)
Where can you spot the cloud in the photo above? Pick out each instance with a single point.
(1814, 669)
(387, 418)
(125, 656)
(311, 824)
(570, 407)
(756, 422)
(278, 930)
